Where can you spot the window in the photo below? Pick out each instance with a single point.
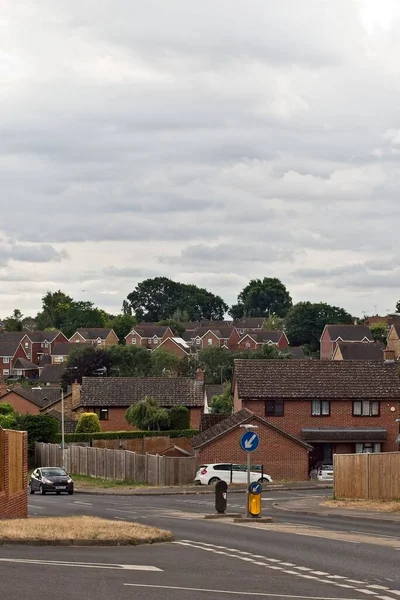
(6, 371)
(320, 408)
(274, 408)
(367, 448)
(28, 355)
(198, 340)
(247, 344)
(46, 344)
(6, 360)
(150, 340)
(133, 340)
(102, 413)
(27, 344)
(156, 340)
(366, 408)
(58, 359)
(222, 467)
(209, 341)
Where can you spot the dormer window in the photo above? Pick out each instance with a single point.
(198, 340)
(46, 344)
(155, 340)
(98, 340)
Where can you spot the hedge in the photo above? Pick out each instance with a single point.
(126, 435)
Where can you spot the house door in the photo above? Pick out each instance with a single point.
(322, 453)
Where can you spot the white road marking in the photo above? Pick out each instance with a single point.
(36, 506)
(84, 503)
(59, 563)
(232, 592)
(320, 576)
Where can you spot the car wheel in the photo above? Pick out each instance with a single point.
(31, 490)
(263, 480)
(70, 492)
(213, 481)
(42, 490)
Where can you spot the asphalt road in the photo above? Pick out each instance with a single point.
(296, 556)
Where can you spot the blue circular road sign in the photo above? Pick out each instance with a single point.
(249, 441)
(255, 488)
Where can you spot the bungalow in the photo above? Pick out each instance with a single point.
(109, 397)
(332, 334)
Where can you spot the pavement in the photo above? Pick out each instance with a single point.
(312, 506)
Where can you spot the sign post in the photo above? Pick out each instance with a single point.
(249, 442)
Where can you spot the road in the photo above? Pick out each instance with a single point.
(297, 556)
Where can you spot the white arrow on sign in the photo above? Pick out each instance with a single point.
(248, 443)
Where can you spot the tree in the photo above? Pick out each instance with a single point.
(129, 361)
(262, 297)
(40, 428)
(165, 363)
(177, 328)
(148, 415)
(88, 423)
(122, 324)
(306, 321)
(85, 362)
(273, 323)
(222, 403)
(55, 305)
(179, 417)
(159, 298)
(7, 416)
(217, 364)
(60, 311)
(379, 332)
(14, 323)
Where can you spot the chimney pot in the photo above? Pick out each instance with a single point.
(199, 374)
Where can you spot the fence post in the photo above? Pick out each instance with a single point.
(146, 467)
(367, 475)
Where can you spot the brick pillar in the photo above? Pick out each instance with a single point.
(76, 394)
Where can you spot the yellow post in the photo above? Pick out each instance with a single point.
(254, 504)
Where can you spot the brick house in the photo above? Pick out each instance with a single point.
(255, 340)
(336, 406)
(96, 336)
(61, 352)
(393, 340)
(28, 400)
(109, 397)
(175, 345)
(283, 456)
(50, 375)
(37, 344)
(332, 334)
(215, 337)
(148, 336)
(249, 324)
(10, 352)
(358, 351)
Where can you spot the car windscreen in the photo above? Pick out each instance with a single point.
(53, 472)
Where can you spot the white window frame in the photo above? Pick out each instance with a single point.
(320, 408)
(6, 371)
(209, 342)
(133, 340)
(368, 448)
(155, 340)
(6, 360)
(248, 345)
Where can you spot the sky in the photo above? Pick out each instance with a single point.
(210, 142)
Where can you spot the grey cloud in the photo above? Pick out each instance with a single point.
(43, 253)
(232, 253)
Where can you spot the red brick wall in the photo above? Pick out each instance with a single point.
(169, 345)
(326, 346)
(216, 342)
(13, 505)
(117, 422)
(195, 416)
(233, 340)
(283, 459)
(298, 414)
(283, 342)
(20, 404)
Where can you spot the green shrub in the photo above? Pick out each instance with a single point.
(88, 423)
(71, 438)
(179, 417)
(147, 414)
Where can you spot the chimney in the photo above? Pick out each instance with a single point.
(199, 374)
(3, 388)
(76, 393)
(388, 356)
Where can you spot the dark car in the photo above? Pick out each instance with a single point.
(50, 479)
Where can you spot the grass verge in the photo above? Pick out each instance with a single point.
(82, 529)
(85, 481)
(374, 505)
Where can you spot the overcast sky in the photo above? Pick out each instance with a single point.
(210, 142)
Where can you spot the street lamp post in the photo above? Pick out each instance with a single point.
(63, 419)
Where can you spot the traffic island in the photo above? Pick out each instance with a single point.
(79, 531)
(223, 516)
(253, 520)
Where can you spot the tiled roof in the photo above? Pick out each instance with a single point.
(94, 332)
(219, 332)
(232, 422)
(349, 333)
(361, 350)
(181, 343)
(8, 348)
(12, 336)
(45, 359)
(296, 352)
(214, 389)
(249, 323)
(148, 331)
(40, 397)
(42, 336)
(51, 373)
(124, 391)
(63, 349)
(69, 424)
(208, 420)
(25, 364)
(316, 379)
(263, 337)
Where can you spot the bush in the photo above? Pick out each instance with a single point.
(88, 423)
(71, 438)
(179, 417)
(147, 414)
(8, 416)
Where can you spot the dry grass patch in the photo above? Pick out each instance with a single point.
(374, 505)
(52, 529)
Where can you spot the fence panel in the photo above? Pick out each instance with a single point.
(119, 464)
(15, 461)
(384, 483)
(140, 474)
(91, 462)
(367, 476)
(130, 466)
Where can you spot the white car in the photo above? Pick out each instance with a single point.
(211, 474)
(325, 473)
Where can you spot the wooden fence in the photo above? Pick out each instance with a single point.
(13, 474)
(121, 465)
(367, 476)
